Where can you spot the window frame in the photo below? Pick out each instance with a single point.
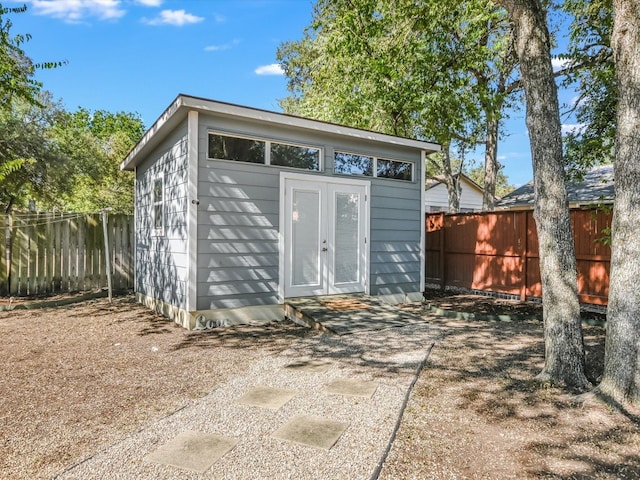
(297, 145)
(155, 204)
(374, 173)
(267, 150)
(412, 164)
(373, 164)
(241, 137)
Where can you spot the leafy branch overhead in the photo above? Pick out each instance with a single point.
(425, 70)
(592, 72)
(59, 159)
(16, 68)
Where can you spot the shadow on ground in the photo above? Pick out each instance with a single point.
(478, 412)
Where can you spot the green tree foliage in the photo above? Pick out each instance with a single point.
(16, 69)
(372, 64)
(592, 73)
(426, 70)
(26, 152)
(65, 161)
(503, 187)
(31, 162)
(95, 143)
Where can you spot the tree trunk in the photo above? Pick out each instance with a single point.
(490, 163)
(564, 347)
(621, 379)
(451, 181)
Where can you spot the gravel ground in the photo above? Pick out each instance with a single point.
(391, 358)
(109, 383)
(478, 413)
(80, 377)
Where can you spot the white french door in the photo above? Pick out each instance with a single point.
(325, 234)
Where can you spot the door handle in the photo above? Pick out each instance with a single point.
(324, 249)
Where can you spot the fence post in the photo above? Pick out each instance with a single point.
(525, 261)
(443, 280)
(5, 250)
(107, 257)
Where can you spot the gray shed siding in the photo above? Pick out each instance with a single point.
(238, 218)
(161, 260)
(237, 235)
(395, 237)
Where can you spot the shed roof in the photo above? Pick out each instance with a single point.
(595, 187)
(177, 111)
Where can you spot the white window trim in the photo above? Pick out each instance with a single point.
(289, 144)
(362, 175)
(237, 135)
(155, 231)
(267, 150)
(413, 169)
(375, 167)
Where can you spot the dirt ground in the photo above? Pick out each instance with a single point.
(477, 413)
(491, 306)
(79, 377)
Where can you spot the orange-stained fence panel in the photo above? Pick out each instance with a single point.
(498, 252)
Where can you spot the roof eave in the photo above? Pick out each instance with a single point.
(172, 115)
(167, 119)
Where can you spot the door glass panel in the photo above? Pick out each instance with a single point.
(346, 259)
(305, 229)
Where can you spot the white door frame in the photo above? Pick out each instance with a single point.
(284, 176)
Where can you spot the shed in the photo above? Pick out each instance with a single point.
(238, 209)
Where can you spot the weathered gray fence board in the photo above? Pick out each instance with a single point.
(64, 252)
(3, 250)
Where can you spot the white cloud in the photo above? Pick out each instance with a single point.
(219, 18)
(559, 63)
(149, 3)
(273, 69)
(219, 48)
(74, 11)
(573, 128)
(176, 18)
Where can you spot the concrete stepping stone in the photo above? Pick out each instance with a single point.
(311, 431)
(351, 387)
(310, 365)
(195, 451)
(266, 397)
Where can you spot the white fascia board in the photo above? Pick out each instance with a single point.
(168, 119)
(305, 123)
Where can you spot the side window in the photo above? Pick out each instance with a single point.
(157, 206)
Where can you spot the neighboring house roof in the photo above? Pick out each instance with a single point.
(177, 112)
(596, 187)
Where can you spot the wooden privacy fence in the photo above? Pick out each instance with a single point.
(498, 252)
(45, 253)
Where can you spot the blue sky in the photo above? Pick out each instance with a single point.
(137, 55)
